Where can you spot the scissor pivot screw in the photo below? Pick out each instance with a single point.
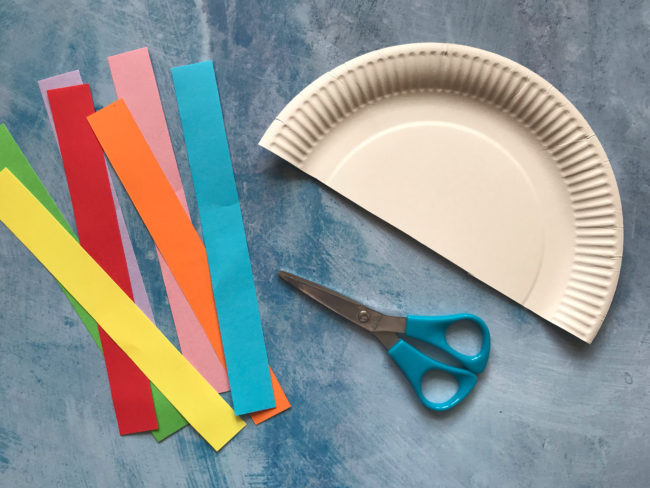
(363, 316)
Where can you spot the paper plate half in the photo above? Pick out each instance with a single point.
(476, 157)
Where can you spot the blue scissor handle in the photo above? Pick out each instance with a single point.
(415, 365)
(433, 330)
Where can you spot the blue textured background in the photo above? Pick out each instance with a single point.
(549, 410)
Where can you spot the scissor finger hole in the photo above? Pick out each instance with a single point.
(438, 386)
(464, 336)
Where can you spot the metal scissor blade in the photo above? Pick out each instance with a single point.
(355, 312)
(388, 339)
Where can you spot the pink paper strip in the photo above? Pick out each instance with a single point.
(140, 297)
(135, 82)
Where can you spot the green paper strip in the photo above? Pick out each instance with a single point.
(12, 157)
(169, 419)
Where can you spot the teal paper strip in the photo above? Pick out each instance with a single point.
(224, 237)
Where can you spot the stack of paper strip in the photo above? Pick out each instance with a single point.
(153, 386)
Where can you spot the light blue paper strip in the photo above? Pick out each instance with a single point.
(224, 237)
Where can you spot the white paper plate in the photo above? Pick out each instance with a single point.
(476, 157)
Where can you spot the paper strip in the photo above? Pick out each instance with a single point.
(135, 82)
(92, 203)
(224, 237)
(140, 297)
(63, 80)
(127, 325)
(169, 419)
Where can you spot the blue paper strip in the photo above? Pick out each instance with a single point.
(224, 237)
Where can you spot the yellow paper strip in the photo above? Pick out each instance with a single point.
(122, 320)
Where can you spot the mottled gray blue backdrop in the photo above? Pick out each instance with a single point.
(549, 410)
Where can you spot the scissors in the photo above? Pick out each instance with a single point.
(413, 363)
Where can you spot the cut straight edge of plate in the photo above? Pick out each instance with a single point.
(543, 110)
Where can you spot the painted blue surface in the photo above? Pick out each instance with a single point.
(547, 411)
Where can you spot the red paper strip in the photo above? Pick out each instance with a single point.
(99, 235)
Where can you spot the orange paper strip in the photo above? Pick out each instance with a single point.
(161, 211)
